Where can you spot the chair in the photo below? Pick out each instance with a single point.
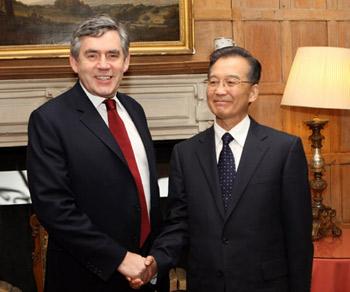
(177, 278)
(40, 238)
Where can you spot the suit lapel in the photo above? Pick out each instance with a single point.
(93, 121)
(206, 155)
(254, 150)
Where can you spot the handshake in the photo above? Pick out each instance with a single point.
(137, 269)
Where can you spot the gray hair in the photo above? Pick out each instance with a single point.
(96, 27)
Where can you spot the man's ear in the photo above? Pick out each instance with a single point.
(126, 63)
(254, 93)
(73, 63)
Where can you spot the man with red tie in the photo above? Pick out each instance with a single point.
(92, 173)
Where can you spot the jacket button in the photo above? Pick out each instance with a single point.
(219, 274)
(225, 241)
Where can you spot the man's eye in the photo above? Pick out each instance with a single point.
(213, 82)
(232, 82)
(91, 56)
(112, 56)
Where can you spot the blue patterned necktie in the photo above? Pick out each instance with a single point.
(227, 169)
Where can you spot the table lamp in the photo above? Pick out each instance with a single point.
(319, 78)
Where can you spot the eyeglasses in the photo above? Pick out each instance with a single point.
(214, 83)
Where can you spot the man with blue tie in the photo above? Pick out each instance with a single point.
(239, 198)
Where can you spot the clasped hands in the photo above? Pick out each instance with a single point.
(137, 269)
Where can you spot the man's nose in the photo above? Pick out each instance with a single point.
(221, 88)
(103, 63)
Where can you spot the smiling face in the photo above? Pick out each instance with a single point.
(101, 63)
(229, 103)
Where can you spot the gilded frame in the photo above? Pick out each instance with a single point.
(185, 44)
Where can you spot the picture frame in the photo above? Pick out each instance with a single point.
(172, 35)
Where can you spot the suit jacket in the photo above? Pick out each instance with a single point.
(84, 194)
(263, 241)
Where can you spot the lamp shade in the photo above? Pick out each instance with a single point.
(319, 78)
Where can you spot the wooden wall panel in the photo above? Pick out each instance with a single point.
(335, 190)
(345, 191)
(267, 111)
(200, 5)
(308, 33)
(333, 33)
(328, 194)
(261, 3)
(263, 40)
(310, 3)
(343, 134)
(344, 33)
(206, 32)
(343, 4)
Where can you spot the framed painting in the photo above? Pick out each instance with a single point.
(42, 28)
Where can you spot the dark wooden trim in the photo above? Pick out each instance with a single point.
(30, 70)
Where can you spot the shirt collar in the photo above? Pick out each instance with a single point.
(96, 100)
(238, 132)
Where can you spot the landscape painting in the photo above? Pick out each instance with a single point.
(41, 26)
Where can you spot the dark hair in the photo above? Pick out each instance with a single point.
(233, 51)
(96, 27)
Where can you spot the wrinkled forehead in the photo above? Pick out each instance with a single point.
(108, 41)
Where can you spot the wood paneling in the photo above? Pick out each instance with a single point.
(308, 33)
(345, 191)
(343, 4)
(206, 32)
(343, 132)
(310, 3)
(200, 5)
(263, 40)
(261, 111)
(261, 3)
(344, 33)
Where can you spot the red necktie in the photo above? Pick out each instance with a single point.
(120, 134)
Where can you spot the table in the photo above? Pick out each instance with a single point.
(331, 266)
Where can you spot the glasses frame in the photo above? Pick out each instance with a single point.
(225, 83)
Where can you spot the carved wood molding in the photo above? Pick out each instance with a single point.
(32, 69)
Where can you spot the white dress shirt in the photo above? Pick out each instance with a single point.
(135, 139)
(239, 134)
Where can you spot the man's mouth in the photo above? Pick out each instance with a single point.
(221, 101)
(103, 78)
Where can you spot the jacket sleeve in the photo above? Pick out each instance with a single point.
(297, 218)
(169, 244)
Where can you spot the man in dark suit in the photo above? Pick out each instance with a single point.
(94, 192)
(239, 197)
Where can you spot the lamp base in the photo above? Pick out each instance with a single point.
(323, 223)
(323, 216)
